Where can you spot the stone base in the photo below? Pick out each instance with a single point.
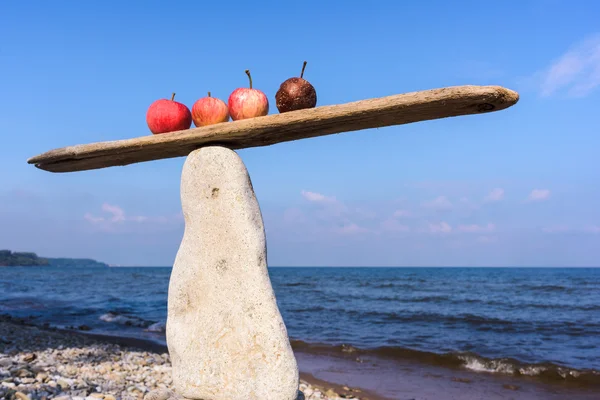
(225, 334)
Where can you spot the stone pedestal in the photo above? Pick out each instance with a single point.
(225, 334)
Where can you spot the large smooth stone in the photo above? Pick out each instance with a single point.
(225, 334)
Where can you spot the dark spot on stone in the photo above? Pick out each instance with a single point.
(221, 266)
(215, 193)
(485, 107)
(261, 258)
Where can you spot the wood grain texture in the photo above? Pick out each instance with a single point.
(263, 131)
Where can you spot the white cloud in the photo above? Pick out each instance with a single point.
(117, 212)
(538, 195)
(487, 239)
(402, 213)
(392, 225)
(94, 220)
(351, 229)
(496, 194)
(116, 219)
(577, 72)
(439, 203)
(593, 229)
(442, 227)
(590, 229)
(465, 203)
(317, 197)
(556, 229)
(474, 228)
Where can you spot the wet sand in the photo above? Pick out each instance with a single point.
(418, 381)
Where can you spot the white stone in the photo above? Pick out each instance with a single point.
(225, 334)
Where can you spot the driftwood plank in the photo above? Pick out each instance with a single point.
(276, 128)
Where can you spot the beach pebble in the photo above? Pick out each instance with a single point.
(5, 362)
(159, 394)
(22, 396)
(103, 371)
(63, 384)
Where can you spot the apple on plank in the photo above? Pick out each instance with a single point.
(247, 102)
(296, 94)
(167, 116)
(209, 110)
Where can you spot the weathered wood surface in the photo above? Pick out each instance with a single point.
(276, 128)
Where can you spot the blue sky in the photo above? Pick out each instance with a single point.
(516, 187)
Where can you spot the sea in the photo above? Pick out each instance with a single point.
(513, 321)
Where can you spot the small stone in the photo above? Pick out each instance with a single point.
(64, 385)
(109, 397)
(29, 357)
(63, 398)
(159, 394)
(331, 393)
(96, 396)
(71, 370)
(5, 362)
(9, 385)
(41, 377)
(52, 384)
(22, 396)
(24, 373)
(27, 381)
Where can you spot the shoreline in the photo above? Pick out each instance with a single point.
(324, 374)
(19, 354)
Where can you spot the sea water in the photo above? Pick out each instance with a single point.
(526, 321)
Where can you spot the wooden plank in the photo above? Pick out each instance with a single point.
(276, 128)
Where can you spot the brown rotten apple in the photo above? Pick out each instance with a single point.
(296, 94)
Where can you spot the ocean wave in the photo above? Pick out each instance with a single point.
(299, 284)
(157, 327)
(547, 288)
(127, 320)
(474, 362)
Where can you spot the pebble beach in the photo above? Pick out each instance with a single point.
(44, 363)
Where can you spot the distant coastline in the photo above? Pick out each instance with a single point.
(26, 259)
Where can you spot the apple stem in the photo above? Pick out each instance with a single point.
(208, 94)
(172, 96)
(249, 77)
(303, 66)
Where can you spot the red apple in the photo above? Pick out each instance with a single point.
(209, 111)
(167, 116)
(247, 102)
